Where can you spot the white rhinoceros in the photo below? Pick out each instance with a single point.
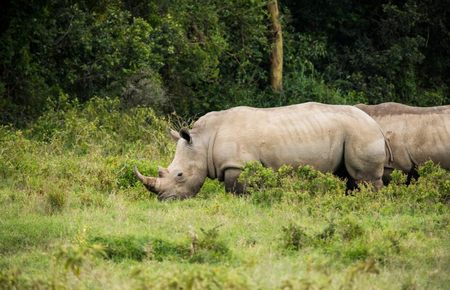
(326, 137)
(415, 134)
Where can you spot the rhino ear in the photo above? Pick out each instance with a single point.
(175, 135)
(184, 133)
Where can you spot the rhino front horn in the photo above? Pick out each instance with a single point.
(149, 182)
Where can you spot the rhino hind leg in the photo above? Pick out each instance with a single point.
(231, 181)
(342, 173)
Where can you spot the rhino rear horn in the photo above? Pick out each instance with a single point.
(149, 182)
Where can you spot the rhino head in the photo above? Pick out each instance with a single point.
(185, 175)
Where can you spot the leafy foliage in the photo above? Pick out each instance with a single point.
(267, 186)
(294, 237)
(192, 57)
(382, 51)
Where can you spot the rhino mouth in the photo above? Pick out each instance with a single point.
(171, 197)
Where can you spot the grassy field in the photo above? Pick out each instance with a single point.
(73, 216)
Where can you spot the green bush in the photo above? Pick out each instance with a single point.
(75, 256)
(101, 123)
(398, 178)
(433, 185)
(434, 180)
(318, 183)
(268, 197)
(294, 238)
(328, 232)
(348, 228)
(357, 251)
(56, 200)
(256, 176)
(208, 248)
(208, 278)
(88, 198)
(267, 186)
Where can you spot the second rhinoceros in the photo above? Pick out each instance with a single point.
(415, 134)
(327, 137)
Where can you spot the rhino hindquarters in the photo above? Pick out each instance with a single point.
(364, 160)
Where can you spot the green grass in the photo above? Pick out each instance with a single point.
(73, 217)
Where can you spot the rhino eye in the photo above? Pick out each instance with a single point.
(180, 174)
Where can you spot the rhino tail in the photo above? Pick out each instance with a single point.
(389, 155)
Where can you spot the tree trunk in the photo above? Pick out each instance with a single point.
(276, 57)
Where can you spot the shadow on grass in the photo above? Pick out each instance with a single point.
(204, 249)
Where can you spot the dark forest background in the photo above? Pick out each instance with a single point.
(191, 57)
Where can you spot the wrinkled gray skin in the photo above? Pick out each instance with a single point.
(220, 143)
(415, 134)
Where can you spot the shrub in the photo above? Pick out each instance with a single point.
(210, 189)
(356, 251)
(77, 254)
(398, 178)
(294, 238)
(208, 248)
(101, 124)
(328, 232)
(267, 186)
(432, 186)
(434, 182)
(318, 183)
(194, 278)
(257, 177)
(90, 199)
(268, 197)
(16, 156)
(11, 279)
(348, 228)
(56, 199)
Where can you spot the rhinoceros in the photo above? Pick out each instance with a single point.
(415, 134)
(219, 144)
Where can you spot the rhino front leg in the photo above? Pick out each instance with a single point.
(231, 181)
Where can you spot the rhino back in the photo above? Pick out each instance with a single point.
(392, 108)
(308, 133)
(416, 134)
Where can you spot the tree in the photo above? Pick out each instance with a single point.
(276, 58)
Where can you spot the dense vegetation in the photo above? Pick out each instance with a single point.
(195, 56)
(73, 217)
